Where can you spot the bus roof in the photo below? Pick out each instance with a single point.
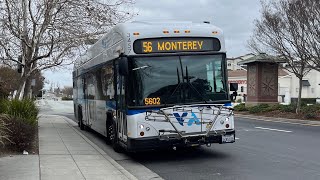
(121, 37)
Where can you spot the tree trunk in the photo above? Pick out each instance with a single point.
(21, 87)
(27, 88)
(299, 96)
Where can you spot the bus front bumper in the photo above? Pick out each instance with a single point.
(152, 143)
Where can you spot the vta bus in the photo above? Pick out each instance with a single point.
(151, 85)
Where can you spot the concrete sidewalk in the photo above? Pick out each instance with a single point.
(64, 153)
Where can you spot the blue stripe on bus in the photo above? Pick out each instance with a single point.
(138, 111)
(227, 104)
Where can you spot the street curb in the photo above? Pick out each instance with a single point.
(275, 119)
(105, 155)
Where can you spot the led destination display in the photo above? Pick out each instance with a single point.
(170, 45)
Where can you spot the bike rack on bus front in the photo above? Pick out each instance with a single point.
(160, 114)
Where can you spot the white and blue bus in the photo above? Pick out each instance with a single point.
(151, 85)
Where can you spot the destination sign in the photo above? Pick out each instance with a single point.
(170, 45)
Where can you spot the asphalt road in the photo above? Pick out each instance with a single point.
(263, 150)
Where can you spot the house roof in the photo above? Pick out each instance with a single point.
(262, 57)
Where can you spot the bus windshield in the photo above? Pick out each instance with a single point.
(177, 80)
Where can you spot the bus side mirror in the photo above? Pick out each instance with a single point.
(233, 86)
(123, 66)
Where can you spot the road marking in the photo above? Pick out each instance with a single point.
(273, 129)
(237, 138)
(281, 121)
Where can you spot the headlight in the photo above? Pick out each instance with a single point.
(141, 126)
(227, 119)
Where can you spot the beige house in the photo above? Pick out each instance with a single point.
(232, 63)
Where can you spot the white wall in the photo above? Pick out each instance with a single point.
(312, 91)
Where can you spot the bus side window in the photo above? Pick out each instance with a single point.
(107, 77)
(99, 85)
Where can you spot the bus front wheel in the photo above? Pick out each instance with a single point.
(115, 144)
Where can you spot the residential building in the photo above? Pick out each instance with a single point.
(288, 83)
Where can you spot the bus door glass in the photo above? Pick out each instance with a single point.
(90, 103)
(121, 107)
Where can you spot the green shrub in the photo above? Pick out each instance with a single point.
(4, 129)
(240, 107)
(287, 108)
(21, 134)
(273, 107)
(2, 105)
(310, 112)
(25, 110)
(259, 108)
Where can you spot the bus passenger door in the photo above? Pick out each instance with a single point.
(89, 92)
(121, 109)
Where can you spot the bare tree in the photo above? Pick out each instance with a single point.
(67, 91)
(49, 33)
(282, 32)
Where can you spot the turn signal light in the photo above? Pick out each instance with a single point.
(227, 125)
(141, 133)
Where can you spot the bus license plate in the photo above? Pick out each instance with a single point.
(227, 138)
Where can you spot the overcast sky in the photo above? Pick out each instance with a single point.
(234, 17)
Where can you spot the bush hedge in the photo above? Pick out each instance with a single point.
(4, 137)
(240, 107)
(20, 134)
(18, 120)
(311, 111)
(308, 111)
(25, 110)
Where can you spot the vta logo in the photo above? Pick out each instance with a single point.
(192, 120)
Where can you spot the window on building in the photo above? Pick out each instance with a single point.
(305, 83)
(229, 64)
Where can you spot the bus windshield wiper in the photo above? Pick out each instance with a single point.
(175, 90)
(188, 82)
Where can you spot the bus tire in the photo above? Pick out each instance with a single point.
(115, 144)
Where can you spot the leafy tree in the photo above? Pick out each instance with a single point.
(50, 33)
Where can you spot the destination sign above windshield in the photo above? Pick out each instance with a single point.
(170, 45)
